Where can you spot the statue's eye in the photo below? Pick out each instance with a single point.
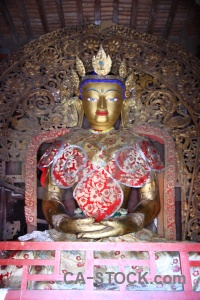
(113, 99)
(91, 99)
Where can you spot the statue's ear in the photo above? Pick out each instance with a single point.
(124, 113)
(72, 111)
(127, 112)
(79, 107)
(75, 82)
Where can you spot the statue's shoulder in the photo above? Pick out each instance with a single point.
(60, 143)
(144, 147)
(131, 136)
(151, 155)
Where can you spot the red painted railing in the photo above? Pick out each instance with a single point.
(89, 248)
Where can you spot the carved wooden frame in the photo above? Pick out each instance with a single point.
(145, 130)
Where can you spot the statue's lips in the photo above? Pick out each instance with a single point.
(101, 113)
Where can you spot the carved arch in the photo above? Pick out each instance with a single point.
(36, 85)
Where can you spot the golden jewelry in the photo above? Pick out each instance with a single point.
(101, 63)
(101, 131)
(80, 67)
(123, 69)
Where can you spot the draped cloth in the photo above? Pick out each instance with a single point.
(97, 163)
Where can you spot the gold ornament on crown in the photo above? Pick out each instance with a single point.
(80, 67)
(102, 64)
(123, 69)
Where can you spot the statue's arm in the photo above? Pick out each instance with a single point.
(149, 205)
(52, 200)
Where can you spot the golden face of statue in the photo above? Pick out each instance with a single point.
(102, 104)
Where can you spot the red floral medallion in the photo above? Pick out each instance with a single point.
(98, 195)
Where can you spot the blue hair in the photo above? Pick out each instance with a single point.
(102, 80)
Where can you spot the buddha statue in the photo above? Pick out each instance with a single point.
(101, 169)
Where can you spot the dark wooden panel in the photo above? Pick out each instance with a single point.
(88, 11)
(60, 13)
(79, 8)
(42, 13)
(124, 15)
(115, 10)
(188, 21)
(2, 207)
(152, 17)
(97, 10)
(9, 21)
(134, 11)
(24, 19)
(170, 19)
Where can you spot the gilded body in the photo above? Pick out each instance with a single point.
(102, 105)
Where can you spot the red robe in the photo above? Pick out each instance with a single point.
(97, 163)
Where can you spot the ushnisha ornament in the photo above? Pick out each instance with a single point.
(102, 64)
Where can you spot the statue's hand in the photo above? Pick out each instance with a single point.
(116, 227)
(66, 224)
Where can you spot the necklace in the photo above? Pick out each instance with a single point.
(101, 131)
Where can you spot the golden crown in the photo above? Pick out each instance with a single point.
(102, 64)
